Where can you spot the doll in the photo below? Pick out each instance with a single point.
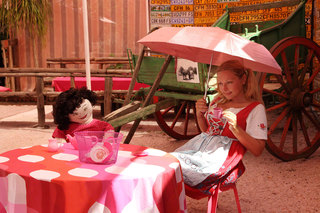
(72, 112)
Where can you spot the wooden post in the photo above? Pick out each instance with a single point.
(134, 77)
(107, 96)
(40, 102)
(72, 82)
(5, 64)
(149, 97)
(12, 79)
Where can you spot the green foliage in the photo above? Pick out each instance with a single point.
(31, 15)
(4, 25)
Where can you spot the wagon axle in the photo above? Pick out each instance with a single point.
(300, 99)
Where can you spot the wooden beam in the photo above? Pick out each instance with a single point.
(142, 112)
(285, 3)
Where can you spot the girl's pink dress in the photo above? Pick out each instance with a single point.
(94, 125)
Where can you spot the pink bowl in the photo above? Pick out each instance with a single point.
(98, 146)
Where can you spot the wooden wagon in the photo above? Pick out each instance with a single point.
(292, 99)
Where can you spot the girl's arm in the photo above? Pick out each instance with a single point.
(201, 109)
(255, 146)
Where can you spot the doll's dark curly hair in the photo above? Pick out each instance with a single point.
(67, 102)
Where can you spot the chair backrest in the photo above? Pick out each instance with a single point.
(225, 183)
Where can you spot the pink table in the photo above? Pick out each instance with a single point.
(32, 179)
(4, 89)
(97, 83)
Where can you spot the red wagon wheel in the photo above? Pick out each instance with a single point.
(180, 121)
(293, 110)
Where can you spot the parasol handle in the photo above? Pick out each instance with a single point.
(207, 83)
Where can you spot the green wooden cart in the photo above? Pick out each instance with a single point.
(292, 99)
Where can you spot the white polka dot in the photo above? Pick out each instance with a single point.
(44, 175)
(81, 172)
(98, 207)
(136, 170)
(125, 154)
(31, 158)
(3, 159)
(155, 152)
(64, 156)
(17, 193)
(176, 167)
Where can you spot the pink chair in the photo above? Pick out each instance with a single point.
(227, 183)
(213, 199)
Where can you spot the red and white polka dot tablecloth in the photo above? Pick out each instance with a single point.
(32, 179)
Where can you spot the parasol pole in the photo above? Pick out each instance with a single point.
(86, 43)
(207, 83)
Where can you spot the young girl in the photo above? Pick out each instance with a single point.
(211, 156)
(72, 112)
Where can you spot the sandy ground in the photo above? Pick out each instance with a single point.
(268, 185)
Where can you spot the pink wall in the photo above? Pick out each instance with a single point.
(65, 32)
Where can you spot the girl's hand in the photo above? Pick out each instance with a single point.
(231, 118)
(201, 106)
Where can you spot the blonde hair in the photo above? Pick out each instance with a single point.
(250, 88)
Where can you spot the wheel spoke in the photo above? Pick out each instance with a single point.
(186, 122)
(283, 84)
(294, 133)
(285, 103)
(164, 112)
(312, 77)
(314, 91)
(314, 121)
(286, 67)
(195, 117)
(296, 65)
(178, 115)
(285, 131)
(275, 93)
(304, 130)
(306, 66)
(277, 121)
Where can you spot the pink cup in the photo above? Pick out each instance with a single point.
(53, 145)
(217, 112)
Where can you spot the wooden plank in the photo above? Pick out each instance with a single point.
(59, 75)
(64, 70)
(18, 94)
(142, 112)
(122, 111)
(285, 3)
